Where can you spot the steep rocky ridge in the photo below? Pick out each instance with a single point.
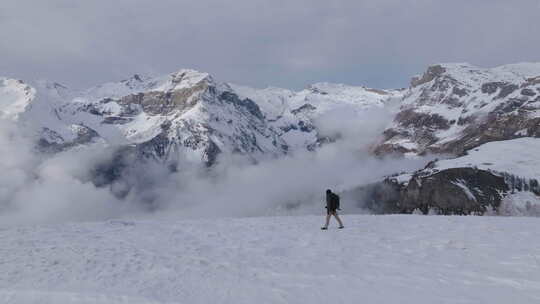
(455, 107)
(182, 115)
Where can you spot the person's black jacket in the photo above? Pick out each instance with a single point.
(332, 201)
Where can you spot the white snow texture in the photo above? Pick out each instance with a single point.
(375, 259)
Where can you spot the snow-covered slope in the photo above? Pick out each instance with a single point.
(182, 115)
(35, 107)
(185, 115)
(15, 96)
(294, 114)
(455, 107)
(492, 177)
(375, 259)
(519, 157)
(323, 96)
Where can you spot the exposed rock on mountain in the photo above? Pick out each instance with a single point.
(184, 116)
(52, 142)
(453, 191)
(450, 191)
(489, 117)
(294, 114)
(456, 107)
(473, 183)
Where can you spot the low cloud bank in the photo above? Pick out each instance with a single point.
(39, 189)
(36, 189)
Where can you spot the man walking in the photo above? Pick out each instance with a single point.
(332, 205)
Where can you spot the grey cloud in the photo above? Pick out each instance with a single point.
(378, 43)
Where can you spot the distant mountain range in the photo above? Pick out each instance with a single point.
(187, 116)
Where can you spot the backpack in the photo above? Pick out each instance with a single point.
(336, 200)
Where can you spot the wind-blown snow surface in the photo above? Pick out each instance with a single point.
(376, 259)
(521, 203)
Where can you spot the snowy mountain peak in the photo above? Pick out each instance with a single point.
(184, 78)
(187, 114)
(470, 74)
(135, 80)
(453, 107)
(444, 110)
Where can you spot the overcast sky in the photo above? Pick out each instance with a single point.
(290, 43)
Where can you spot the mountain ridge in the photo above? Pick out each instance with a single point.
(185, 109)
(451, 108)
(187, 117)
(441, 112)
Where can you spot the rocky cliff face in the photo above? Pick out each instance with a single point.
(183, 116)
(453, 191)
(472, 184)
(455, 107)
(490, 117)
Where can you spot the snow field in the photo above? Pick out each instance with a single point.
(375, 259)
(517, 156)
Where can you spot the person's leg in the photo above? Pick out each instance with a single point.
(327, 222)
(338, 219)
